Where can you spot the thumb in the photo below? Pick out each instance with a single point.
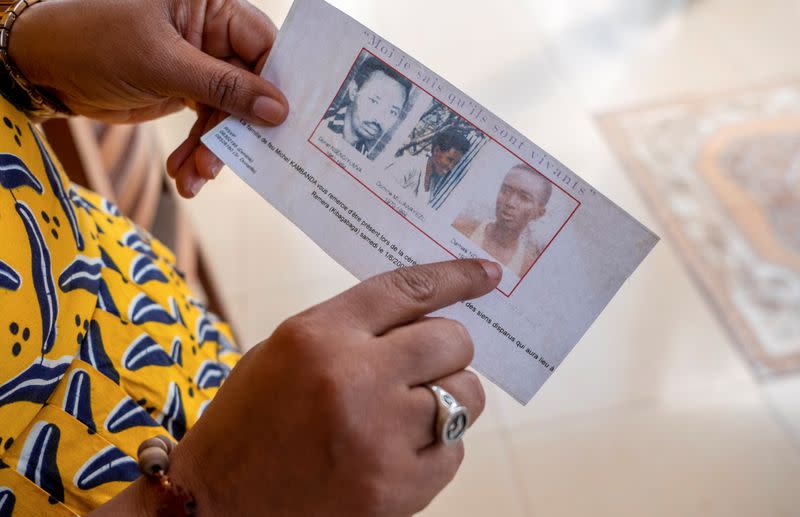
(221, 85)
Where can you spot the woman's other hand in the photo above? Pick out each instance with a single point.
(330, 416)
(136, 60)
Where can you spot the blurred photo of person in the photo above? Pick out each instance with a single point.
(419, 175)
(371, 105)
(522, 199)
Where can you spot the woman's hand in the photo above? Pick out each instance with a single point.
(330, 416)
(136, 60)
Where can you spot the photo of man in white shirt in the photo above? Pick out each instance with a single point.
(419, 175)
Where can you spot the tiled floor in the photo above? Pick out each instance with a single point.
(655, 412)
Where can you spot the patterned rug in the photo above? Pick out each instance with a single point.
(723, 175)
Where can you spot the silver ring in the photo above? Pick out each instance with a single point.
(452, 418)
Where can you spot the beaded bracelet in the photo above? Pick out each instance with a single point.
(174, 500)
(15, 86)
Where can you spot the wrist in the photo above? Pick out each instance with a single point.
(23, 42)
(139, 499)
(146, 497)
(24, 81)
(188, 472)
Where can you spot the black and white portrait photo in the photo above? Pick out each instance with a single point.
(436, 156)
(373, 100)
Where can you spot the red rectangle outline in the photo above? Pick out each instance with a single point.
(364, 49)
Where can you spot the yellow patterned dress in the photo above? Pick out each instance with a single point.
(101, 342)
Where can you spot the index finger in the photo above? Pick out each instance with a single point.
(252, 33)
(391, 299)
(239, 29)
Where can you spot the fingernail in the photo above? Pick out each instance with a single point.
(269, 110)
(216, 168)
(492, 270)
(195, 184)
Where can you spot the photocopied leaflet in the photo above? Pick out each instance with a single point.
(384, 164)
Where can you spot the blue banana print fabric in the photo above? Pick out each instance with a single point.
(145, 351)
(7, 501)
(10, 280)
(14, 174)
(102, 343)
(77, 401)
(38, 461)
(35, 383)
(126, 414)
(109, 464)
